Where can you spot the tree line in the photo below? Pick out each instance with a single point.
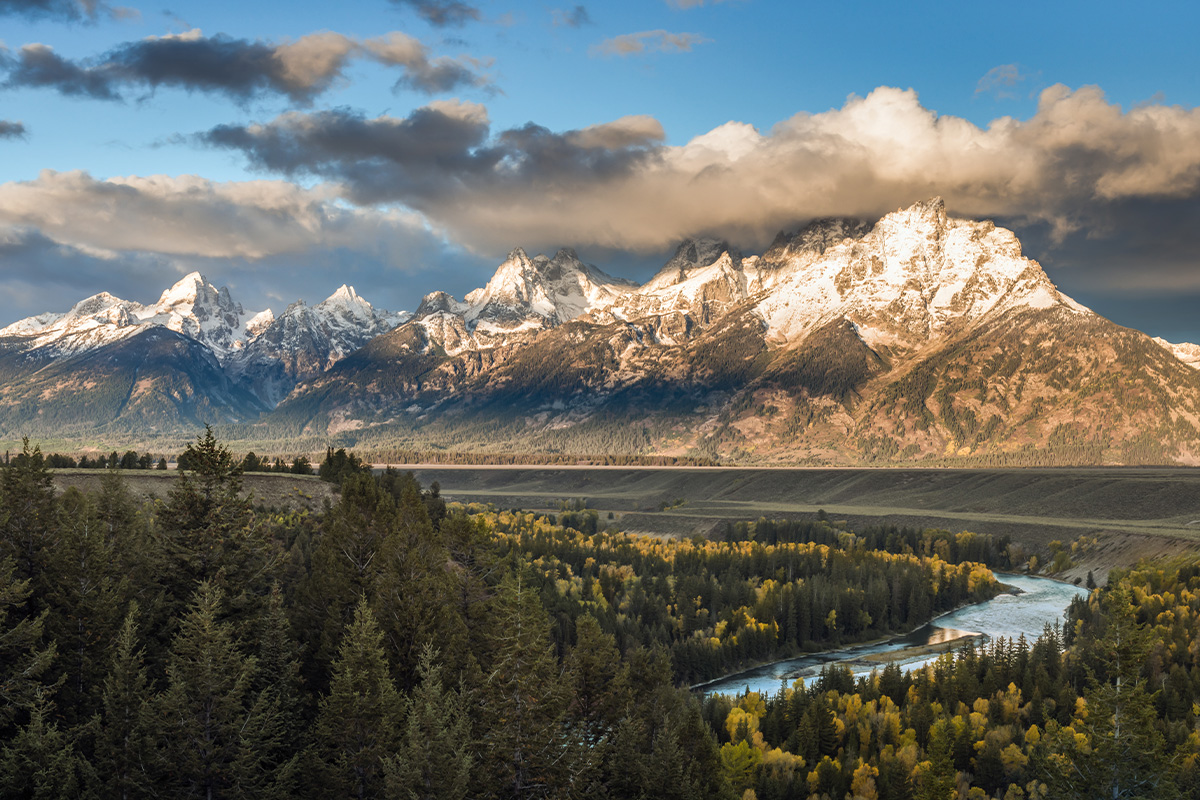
(394, 646)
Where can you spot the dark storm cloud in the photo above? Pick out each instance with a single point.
(12, 130)
(39, 274)
(439, 154)
(239, 68)
(66, 10)
(1119, 188)
(574, 18)
(443, 13)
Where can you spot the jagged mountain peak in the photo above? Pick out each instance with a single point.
(812, 240)
(916, 274)
(690, 255)
(190, 289)
(438, 302)
(554, 289)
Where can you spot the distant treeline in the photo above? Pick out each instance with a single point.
(538, 459)
(131, 459)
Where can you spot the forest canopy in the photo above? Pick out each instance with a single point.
(391, 645)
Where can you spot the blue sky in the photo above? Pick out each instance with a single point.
(288, 185)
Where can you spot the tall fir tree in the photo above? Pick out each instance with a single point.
(41, 762)
(526, 749)
(1123, 753)
(358, 724)
(345, 564)
(216, 731)
(86, 594)
(25, 658)
(436, 753)
(28, 512)
(125, 744)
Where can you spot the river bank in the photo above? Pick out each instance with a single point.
(1040, 601)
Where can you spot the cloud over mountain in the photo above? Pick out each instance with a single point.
(191, 216)
(618, 185)
(239, 68)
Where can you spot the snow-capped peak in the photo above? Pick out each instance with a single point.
(187, 290)
(346, 302)
(692, 254)
(555, 289)
(1186, 352)
(917, 273)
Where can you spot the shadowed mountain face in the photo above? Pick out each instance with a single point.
(155, 381)
(921, 338)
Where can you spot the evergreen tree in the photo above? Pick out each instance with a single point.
(358, 725)
(215, 729)
(435, 758)
(345, 563)
(598, 681)
(28, 512)
(415, 593)
(526, 752)
(24, 660)
(204, 515)
(85, 596)
(41, 762)
(1124, 754)
(125, 741)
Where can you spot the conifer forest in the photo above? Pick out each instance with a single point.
(393, 645)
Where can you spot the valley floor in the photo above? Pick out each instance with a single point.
(1133, 513)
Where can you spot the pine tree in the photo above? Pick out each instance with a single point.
(345, 563)
(24, 659)
(415, 594)
(204, 707)
(1126, 755)
(28, 512)
(41, 761)
(205, 517)
(598, 681)
(435, 758)
(85, 594)
(937, 780)
(125, 742)
(527, 752)
(358, 725)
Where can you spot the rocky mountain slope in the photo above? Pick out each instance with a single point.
(921, 338)
(194, 356)
(305, 341)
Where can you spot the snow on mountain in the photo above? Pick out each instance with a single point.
(556, 289)
(305, 341)
(1186, 352)
(917, 274)
(525, 295)
(192, 307)
(201, 311)
(93, 322)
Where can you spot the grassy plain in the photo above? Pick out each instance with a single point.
(1133, 512)
(267, 489)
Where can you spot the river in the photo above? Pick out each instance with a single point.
(1041, 601)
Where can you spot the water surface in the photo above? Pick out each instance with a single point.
(1041, 602)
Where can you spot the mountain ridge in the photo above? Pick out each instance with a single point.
(920, 336)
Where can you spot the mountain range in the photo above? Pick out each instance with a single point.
(918, 338)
